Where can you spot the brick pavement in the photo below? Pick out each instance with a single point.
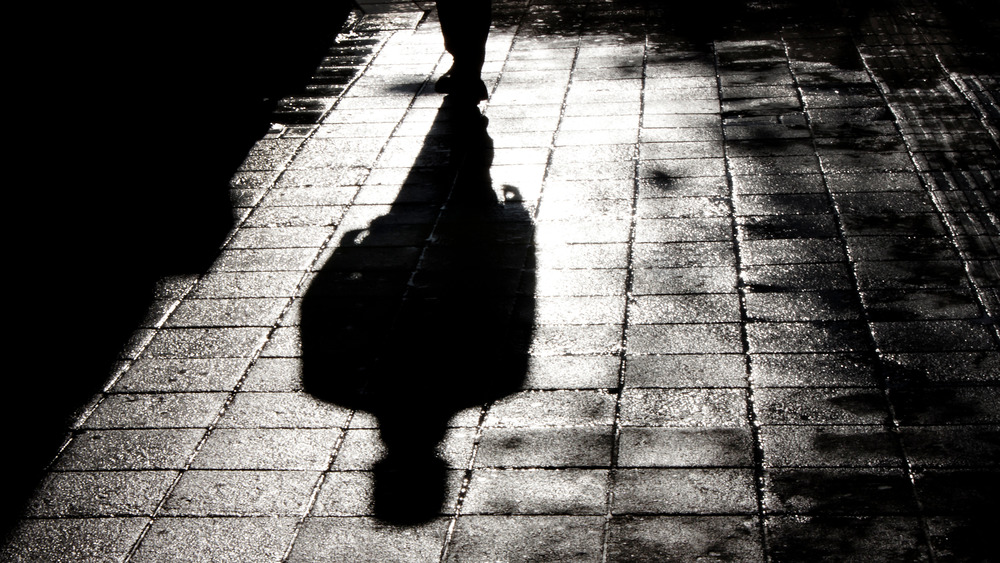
(758, 311)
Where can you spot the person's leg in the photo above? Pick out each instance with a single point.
(465, 25)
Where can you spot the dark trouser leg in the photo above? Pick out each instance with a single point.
(465, 25)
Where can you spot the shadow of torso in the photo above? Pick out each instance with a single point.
(426, 312)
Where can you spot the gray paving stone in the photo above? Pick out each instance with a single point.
(572, 372)
(241, 493)
(207, 539)
(952, 446)
(363, 447)
(230, 342)
(684, 407)
(73, 539)
(268, 448)
(721, 338)
(698, 308)
(865, 538)
(527, 538)
(686, 370)
(842, 405)
(685, 447)
(100, 493)
(545, 447)
(366, 539)
(133, 449)
(648, 539)
(839, 491)
(829, 446)
(181, 375)
(157, 410)
(553, 408)
(807, 370)
(684, 491)
(537, 491)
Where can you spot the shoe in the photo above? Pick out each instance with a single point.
(464, 87)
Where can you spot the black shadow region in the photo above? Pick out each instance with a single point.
(416, 317)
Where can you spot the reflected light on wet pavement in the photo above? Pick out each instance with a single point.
(691, 285)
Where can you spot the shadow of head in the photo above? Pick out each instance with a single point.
(425, 312)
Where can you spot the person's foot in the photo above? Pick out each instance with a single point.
(462, 85)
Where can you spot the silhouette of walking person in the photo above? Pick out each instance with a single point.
(465, 25)
(425, 312)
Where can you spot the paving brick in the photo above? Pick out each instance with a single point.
(77, 539)
(234, 539)
(684, 491)
(680, 538)
(756, 298)
(100, 493)
(540, 538)
(537, 491)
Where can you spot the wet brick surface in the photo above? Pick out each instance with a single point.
(742, 259)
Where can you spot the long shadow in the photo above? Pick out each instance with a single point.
(417, 316)
(136, 124)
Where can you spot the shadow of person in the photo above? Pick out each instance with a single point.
(416, 317)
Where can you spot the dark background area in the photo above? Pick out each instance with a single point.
(128, 123)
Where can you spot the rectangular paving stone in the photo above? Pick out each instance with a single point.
(226, 312)
(684, 280)
(130, 449)
(545, 447)
(943, 336)
(839, 405)
(247, 284)
(362, 448)
(697, 308)
(537, 491)
(350, 493)
(815, 336)
(552, 408)
(100, 493)
(948, 367)
(229, 342)
(367, 539)
(684, 538)
(782, 204)
(683, 230)
(157, 410)
(216, 538)
(180, 375)
(558, 340)
(839, 491)
(539, 538)
(791, 251)
(880, 538)
(829, 446)
(282, 410)
(268, 448)
(572, 372)
(684, 407)
(684, 491)
(683, 255)
(720, 338)
(241, 493)
(685, 447)
(764, 227)
(74, 539)
(802, 306)
(844, 369)
(952, 446)
(670, 204)
(909, 274)
(686, 370)
(958, 492)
